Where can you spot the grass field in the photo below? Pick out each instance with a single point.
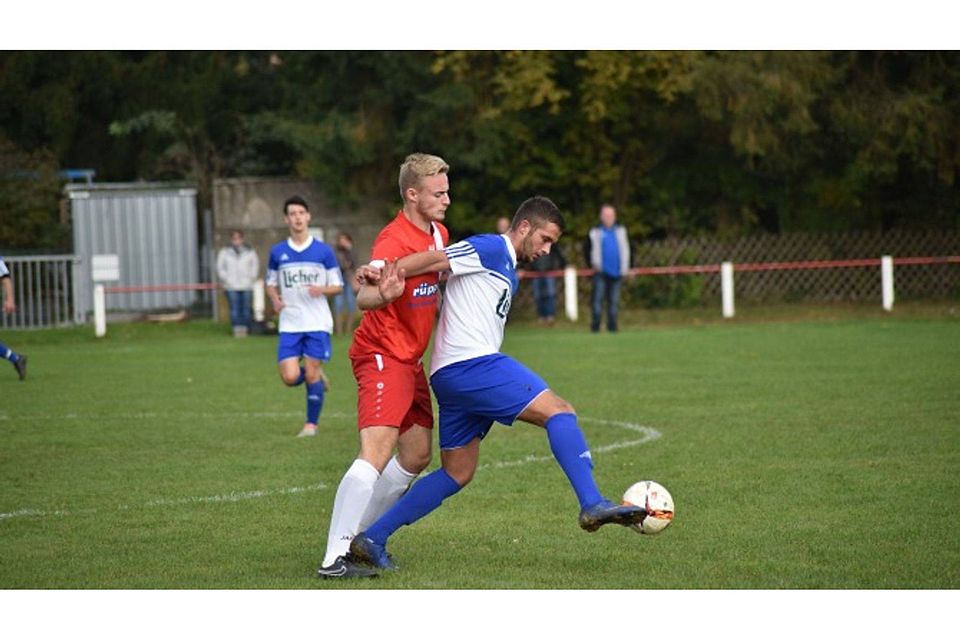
(816, 454)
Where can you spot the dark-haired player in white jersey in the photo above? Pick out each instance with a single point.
(301, 275)
(476, 385)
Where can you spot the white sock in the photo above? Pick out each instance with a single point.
(392, 483)
(353, 496)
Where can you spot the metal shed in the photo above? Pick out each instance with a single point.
(152, 227)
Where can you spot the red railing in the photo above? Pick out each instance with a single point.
(680, 269)
(206, 286)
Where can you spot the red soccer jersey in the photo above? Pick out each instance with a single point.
(402, 329)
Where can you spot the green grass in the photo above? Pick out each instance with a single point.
(815, 454)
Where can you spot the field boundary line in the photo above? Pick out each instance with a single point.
(233, 496)
(647, 434)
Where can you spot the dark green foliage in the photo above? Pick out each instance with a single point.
(29, 197)
(681, 141)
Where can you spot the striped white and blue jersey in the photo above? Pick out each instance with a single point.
(293, 269)
(483, 280)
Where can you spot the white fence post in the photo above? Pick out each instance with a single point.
(99, 310)
(260, 300)
(570, 293)
(726, 288)
(886, 281)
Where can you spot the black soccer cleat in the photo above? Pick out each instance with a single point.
(346, 567)
(606, 512)
(21, 367)
(366, 550)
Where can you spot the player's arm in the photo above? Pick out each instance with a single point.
(275, 298)
(329, 290)
(333, 274)
(370, 298)
(424, 262)
(9, 304)
(393, 275)
(271, 281)
(382, 284)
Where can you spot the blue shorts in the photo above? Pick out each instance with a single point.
(312, 344)
(475, 393)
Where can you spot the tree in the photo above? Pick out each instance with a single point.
(29, 197)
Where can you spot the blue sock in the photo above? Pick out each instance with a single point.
(422, 498)
(303, 376)
(9, 353)
(314, 401)
(571, 451)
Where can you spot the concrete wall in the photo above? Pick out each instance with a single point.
(255, 206)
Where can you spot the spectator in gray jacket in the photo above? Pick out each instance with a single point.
(608, 254)
(237, 268)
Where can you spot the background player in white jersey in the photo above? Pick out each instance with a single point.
(301, 274)
(18, 360)
(475, 385)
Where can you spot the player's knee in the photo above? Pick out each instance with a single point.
(558, 405)
(290, 379)
(461, 475)
(565, 407)
(414, 461)
(376, 446)
(377, 460)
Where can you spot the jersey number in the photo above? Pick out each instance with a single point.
(503, 304)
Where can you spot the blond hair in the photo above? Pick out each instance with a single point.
(418, 166)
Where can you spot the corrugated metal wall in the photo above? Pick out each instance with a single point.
(153, 229)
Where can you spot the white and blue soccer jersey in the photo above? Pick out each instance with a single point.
(293, 270)
(4, 272)
(483, 280)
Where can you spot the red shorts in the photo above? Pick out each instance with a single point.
(391, 393)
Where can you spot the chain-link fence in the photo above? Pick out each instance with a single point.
(859, 284)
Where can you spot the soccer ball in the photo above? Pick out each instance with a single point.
(656, 500)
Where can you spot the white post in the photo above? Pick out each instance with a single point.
(104, 267)
(886, 281)
(726, 288)
(570, 293)
(99, 311)
(260, 300)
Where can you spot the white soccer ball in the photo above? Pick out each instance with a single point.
(656, 500)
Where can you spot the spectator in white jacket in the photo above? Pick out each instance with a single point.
(237, 268)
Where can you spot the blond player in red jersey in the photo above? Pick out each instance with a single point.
(393, 398)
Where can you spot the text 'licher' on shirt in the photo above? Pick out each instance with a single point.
(293, 270)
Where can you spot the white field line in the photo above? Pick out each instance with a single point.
(233, 496)
(151, 415)
(647, 434)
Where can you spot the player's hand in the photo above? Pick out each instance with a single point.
(392, 281)
(9, 306)
(278, 304)
(367, 275)
(315, 291)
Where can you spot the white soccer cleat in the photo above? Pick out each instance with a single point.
(308, 430)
